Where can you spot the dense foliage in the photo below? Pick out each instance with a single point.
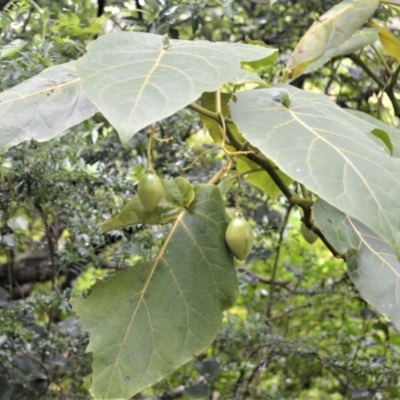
(299, 327)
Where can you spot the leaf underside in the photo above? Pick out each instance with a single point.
(329, 31)
(318, 144)
(148, 320)
(51, 103)
(372, 264)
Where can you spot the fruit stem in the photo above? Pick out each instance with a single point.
(237, 202)
(149, 146)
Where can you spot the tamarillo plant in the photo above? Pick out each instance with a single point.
(147, 320)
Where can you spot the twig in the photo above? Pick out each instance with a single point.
(276, 263)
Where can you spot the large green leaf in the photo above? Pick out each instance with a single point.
(329, 31)
(177, 194)
(318, 144)
(43, 107)
(148, 320)
(372, 264)
(136, 79)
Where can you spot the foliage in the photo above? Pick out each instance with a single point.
(167, 280)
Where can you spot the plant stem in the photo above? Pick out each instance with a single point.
(149, 146)
(382, 60)
(237, 201)
(217, 176)
(263, 163)
(276, 263)
(387, 88)
(204, 111)
(266, 165)
(357, 60)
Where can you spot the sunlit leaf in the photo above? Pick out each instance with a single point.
(146, 321)
(177, 194)
(372, 264)
(253, 53)
(389, 41)
(208, 102)
(259, 178)
(329, 31)
(12, 48)
(261, 62)
(43, 107)
(318, 144)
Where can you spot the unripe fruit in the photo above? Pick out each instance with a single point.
(308, 234)
(239, 237)
(150, 190)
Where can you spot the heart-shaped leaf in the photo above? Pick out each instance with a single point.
(148, 320)
(318, 144)
(43, 107)
(372, 264)
(135, 79)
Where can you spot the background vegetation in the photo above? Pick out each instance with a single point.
(299, 329)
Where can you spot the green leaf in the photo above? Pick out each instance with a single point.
(372, 264)
(12, 48)
(208, 102)
(177, 194)
(243, 77)
(259, 62)
(379, 132)
(358, 41)
(259, 178)
(135, 80)
(318, 144)
(389, 135)
(43, 107)
(331, 30)
(150, 319)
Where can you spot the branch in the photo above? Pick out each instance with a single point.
(276, 262)
(385, 87)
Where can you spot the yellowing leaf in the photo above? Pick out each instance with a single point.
(390, 42)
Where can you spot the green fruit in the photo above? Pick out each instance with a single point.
(308, 234)
(239, 237)
(150, 190)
